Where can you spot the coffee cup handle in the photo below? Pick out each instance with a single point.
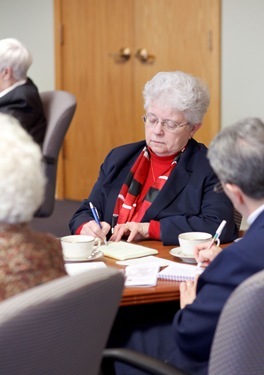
(217, 242)
(97, 243)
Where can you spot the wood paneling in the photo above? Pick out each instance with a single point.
(181, 34)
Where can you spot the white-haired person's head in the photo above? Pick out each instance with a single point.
(180, 91)
(22, 178)
(16, 57)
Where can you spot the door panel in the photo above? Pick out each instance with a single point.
(177, 33)
(181, 34)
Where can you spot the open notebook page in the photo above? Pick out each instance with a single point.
(125, 250)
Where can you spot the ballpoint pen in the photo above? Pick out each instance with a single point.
(215, 238)
(114, 222)
(96, 217)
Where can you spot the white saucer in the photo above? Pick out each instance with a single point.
(97, 256)
(176, 252)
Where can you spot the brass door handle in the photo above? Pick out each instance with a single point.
(143, 55)
(122, 55)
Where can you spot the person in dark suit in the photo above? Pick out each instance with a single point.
(19, 95)
(237, 156)
(162, 186)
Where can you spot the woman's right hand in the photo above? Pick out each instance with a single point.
(204, 255)
(92, 229)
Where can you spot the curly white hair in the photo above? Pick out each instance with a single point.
(22, 178)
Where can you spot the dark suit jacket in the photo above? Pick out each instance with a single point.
(186, 203)
(194, 326)
(25, 105)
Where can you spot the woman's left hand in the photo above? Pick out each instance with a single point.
(133, 231)
(188, 292)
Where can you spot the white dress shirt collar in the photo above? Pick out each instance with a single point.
(12, 87)
(252, 217)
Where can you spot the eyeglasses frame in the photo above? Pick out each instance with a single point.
(163, 123)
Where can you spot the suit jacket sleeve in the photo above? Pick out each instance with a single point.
(194, 326)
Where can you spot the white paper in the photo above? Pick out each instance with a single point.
(78, 267)
(150, 260)
(141, 275)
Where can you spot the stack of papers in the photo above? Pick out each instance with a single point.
(141, 275)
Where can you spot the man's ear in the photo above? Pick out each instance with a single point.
(236, 192)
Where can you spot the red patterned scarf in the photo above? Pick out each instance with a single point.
(126, 203)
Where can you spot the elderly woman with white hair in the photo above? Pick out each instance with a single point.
(162, 186)
(19, 95)
(27, 258)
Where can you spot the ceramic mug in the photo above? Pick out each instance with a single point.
(189, 240)
(81, 247)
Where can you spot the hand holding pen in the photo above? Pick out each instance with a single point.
(96, 218)
(215, 240)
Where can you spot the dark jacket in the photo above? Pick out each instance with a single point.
(194, 326)
(186, 203)
(24, 103)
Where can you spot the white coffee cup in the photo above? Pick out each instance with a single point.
(76, 247)
(189, 240)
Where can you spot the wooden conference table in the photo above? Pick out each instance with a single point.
(163, 292)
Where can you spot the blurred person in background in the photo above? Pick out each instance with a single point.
(27, 258)
(19, 96)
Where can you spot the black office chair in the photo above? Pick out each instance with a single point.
(238, 345)
(59, 108)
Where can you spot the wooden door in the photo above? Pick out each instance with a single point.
(179, 34)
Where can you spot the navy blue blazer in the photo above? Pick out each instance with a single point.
(24, 103)
(186, 203)
(194, 326)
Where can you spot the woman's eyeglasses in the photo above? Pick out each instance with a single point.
(152, 120)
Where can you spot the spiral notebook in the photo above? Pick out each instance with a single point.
(180, 272)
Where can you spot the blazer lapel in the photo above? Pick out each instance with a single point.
(178, 179)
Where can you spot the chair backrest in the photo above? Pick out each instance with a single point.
(238, 345)
(60, 327)
(59, 108)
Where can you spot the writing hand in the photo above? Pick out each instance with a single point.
(92, 229)
(204, 255)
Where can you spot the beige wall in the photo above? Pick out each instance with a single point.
(31, 21)
(242, 60)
